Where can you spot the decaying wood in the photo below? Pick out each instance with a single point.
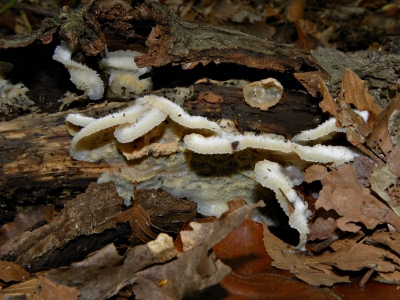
(34, 149)
(175, 41)
(34, 155)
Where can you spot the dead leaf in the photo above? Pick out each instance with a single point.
(357, 129)
(356, 93)
(327, 104)
(321, 229)
(12, 272)
(252, 275)
(390, 239)
(155, 266)
(310, 82)
(306, 32)
(306, 268)
(363, 167)
(380, 139)
(39, 289)
(315, 172)
(347, 224)
(392, 278)
(142, 229)
(393, 160)
(343, 193)
(354, 256)
(195, 269)
(104, 273)
(318, 269)
(295, 10)
(387, 186)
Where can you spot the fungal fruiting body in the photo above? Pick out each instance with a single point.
(156, 143)
(82, 76)
(271, 175)
(124, 81)
(263, 94)
(325, 130)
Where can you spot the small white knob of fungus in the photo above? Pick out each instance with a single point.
(263, 94)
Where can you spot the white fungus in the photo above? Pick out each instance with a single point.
(156, 143)
(271, 175)
(124, 81)
(82, 76)
(263, 94)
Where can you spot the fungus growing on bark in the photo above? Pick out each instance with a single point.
(82, 76)
(124, 79)
(156, 143)
(263, 94)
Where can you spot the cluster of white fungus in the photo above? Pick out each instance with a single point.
(156, 143)
(124, 81)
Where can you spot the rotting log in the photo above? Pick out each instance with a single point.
(35, 161)
(34, 150)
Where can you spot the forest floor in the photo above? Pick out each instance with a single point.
(85, 244)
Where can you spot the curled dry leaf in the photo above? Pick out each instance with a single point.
(154, 268)
(387, 186)
(357, 94)
(302, 266)
(252, 275)
(322, 269)
(327, 104)
(390, 239)
(142, 228)
(194, 269)
(310, 82)
(380, 140)
(343, 193)
(104, 273)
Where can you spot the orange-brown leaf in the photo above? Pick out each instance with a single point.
(139, 219)
(295, 11)
(327, 104)
(355, 93)
(12, 272)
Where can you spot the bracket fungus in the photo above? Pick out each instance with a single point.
(263, 94)
(156, 143)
